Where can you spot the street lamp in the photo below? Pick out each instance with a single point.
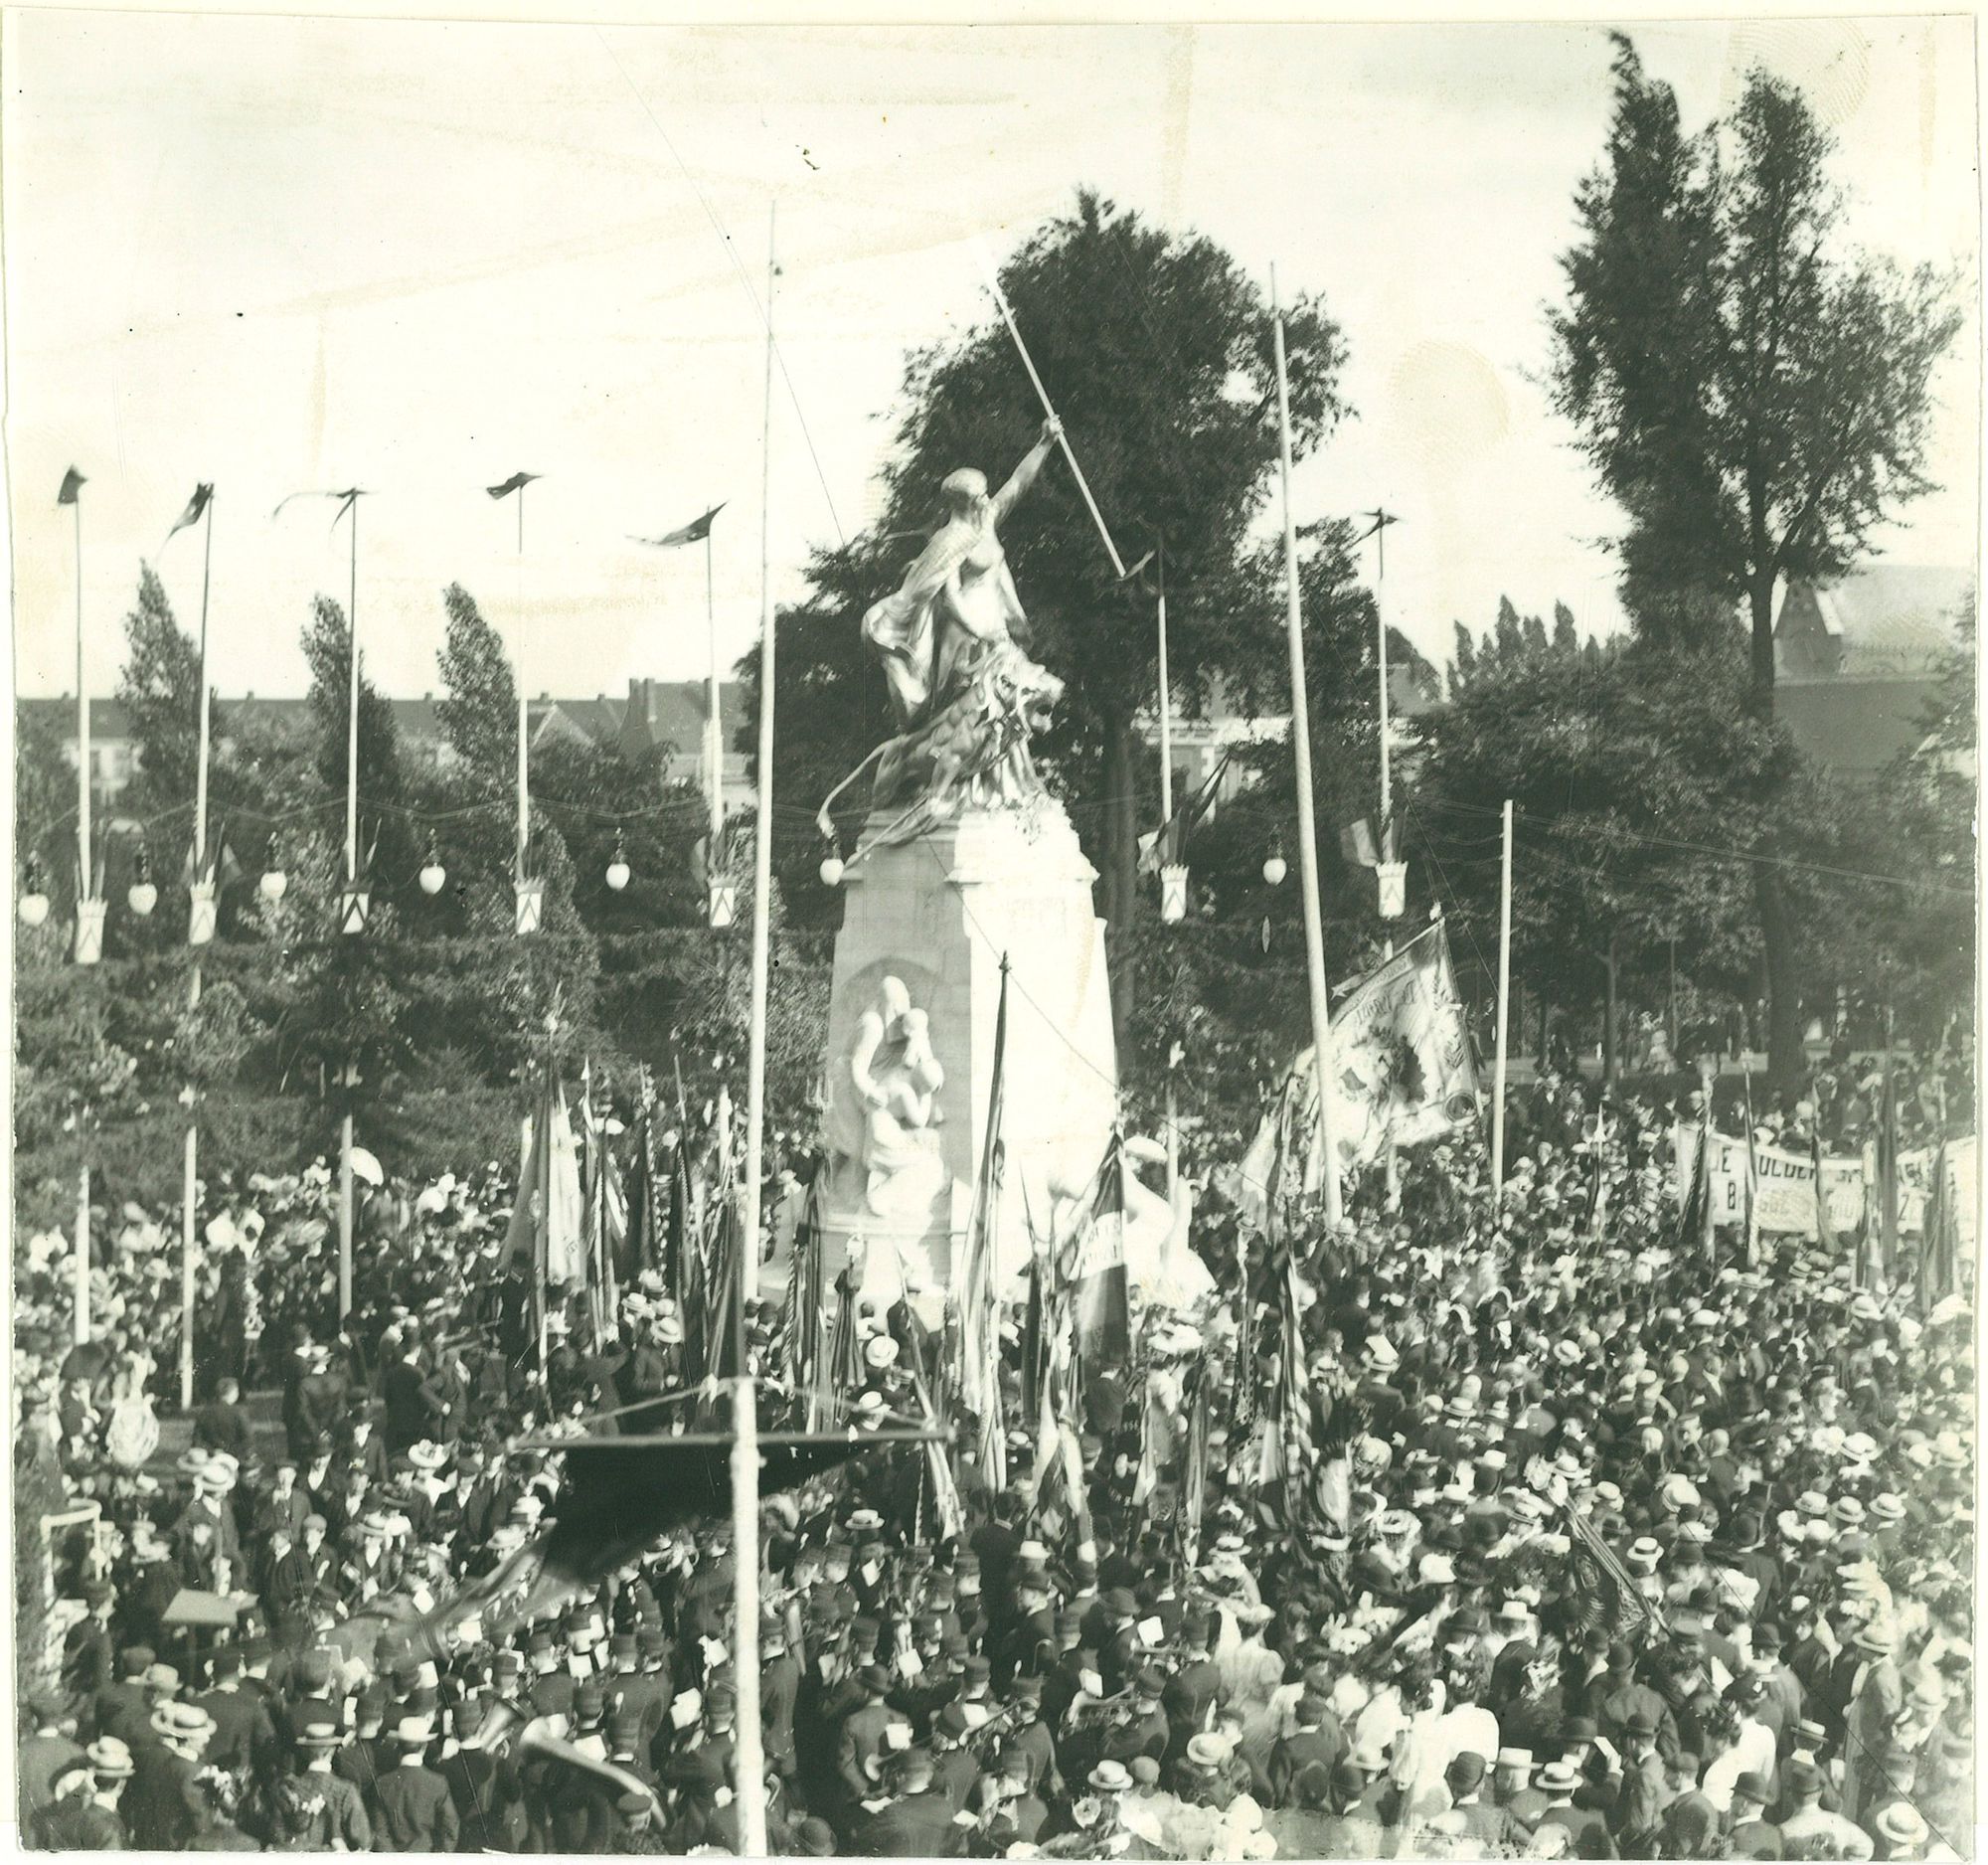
(617, 868)
(832, 865)
(434, 873)
(142, 894)
(1275, 867)
(33, 905)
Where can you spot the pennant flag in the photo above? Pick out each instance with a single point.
(1035, 1334)
(1100, 1287)
(979, 1309)
(515, 483)
(348, 498)
(202, 494)
(693, 533)
(1166, 846)
(1356, 843)
(73, 483)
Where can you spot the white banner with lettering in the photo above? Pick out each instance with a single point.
(1787, 1185)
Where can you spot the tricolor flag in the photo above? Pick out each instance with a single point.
(1167, 845)
(203, 495)
(73, 483)
(693, 533)
(1100, 1290)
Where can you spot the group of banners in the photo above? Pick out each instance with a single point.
(1784, 1186)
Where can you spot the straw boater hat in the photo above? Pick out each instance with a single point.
(109, 1758)
(426, 1454)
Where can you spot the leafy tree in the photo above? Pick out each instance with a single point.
(1158, 350)
(1626, 778)
(479, 708)
(1754, 393)
(327, 644)
(159, 689)
(1565, 637)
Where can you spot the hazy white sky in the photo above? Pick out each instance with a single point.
(418, 257)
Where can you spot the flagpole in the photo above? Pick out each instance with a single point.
(524, 722)
(82, 802)
(712, 727)
(82, 1253)
(352, 714)
(1321, 1017)
(1166, 710)
(190, 1191)
(746, 1450)
(1504, 997)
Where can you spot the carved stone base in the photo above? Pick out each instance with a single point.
(937, 914)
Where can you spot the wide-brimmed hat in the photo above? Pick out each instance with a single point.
(319, 1733)
(109, 1758)
(1114, 1777)
(1900, 1824)
(182, 1721)
(413, 1732)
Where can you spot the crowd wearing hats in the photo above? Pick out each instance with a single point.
(1599, 1546)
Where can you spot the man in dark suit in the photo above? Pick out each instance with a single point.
(1315, 1742)
(88, 1664)
(863, 1742)
(243, 1738)
(779, 1691)
(222, 1424)
(1192, 1690)
(916, 1821)
(412, 1808)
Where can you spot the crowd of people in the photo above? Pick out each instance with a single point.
(1606, 1547)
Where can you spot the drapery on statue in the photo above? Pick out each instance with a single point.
(963, 694)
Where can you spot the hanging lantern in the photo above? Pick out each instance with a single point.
(1275, 867)
(274, 882)
(434, 873)
(531, 906)
(89, 931)
(831, 865)
(721, 904)
(142, 896)
(202, 913)
(617, 867)
(34, 908)
(1173, 892)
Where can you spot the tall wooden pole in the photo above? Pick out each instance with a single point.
(190, 1189)
(712, 723)
(351, 881)
(524, 718)
(352, 711)
(1314, 926)
(1503, 999)
(84, 838)
(1166, 707)
(752, 1778)
(83, 842)
(1382, 520)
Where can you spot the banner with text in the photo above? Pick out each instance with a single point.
(1787, 1185)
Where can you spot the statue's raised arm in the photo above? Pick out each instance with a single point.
(1024, 476)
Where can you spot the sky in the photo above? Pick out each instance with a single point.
(291, 254)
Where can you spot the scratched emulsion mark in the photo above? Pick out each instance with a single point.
(1174, 114)
(1446, 405)
(1829, 61)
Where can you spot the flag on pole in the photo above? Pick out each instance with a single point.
(1167, 845)
(1887, 1174)
(1603, 1594)
(1939, 1239)
(195, 505)
(565, 1222)
(693, 533)
(73, 483)
(515, 483)
(1101, 1293)
(1752, 1175)
(1194, 1465)
(979, 1309)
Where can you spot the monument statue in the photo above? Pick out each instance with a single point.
(963, 695)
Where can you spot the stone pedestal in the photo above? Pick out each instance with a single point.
(937, 914)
